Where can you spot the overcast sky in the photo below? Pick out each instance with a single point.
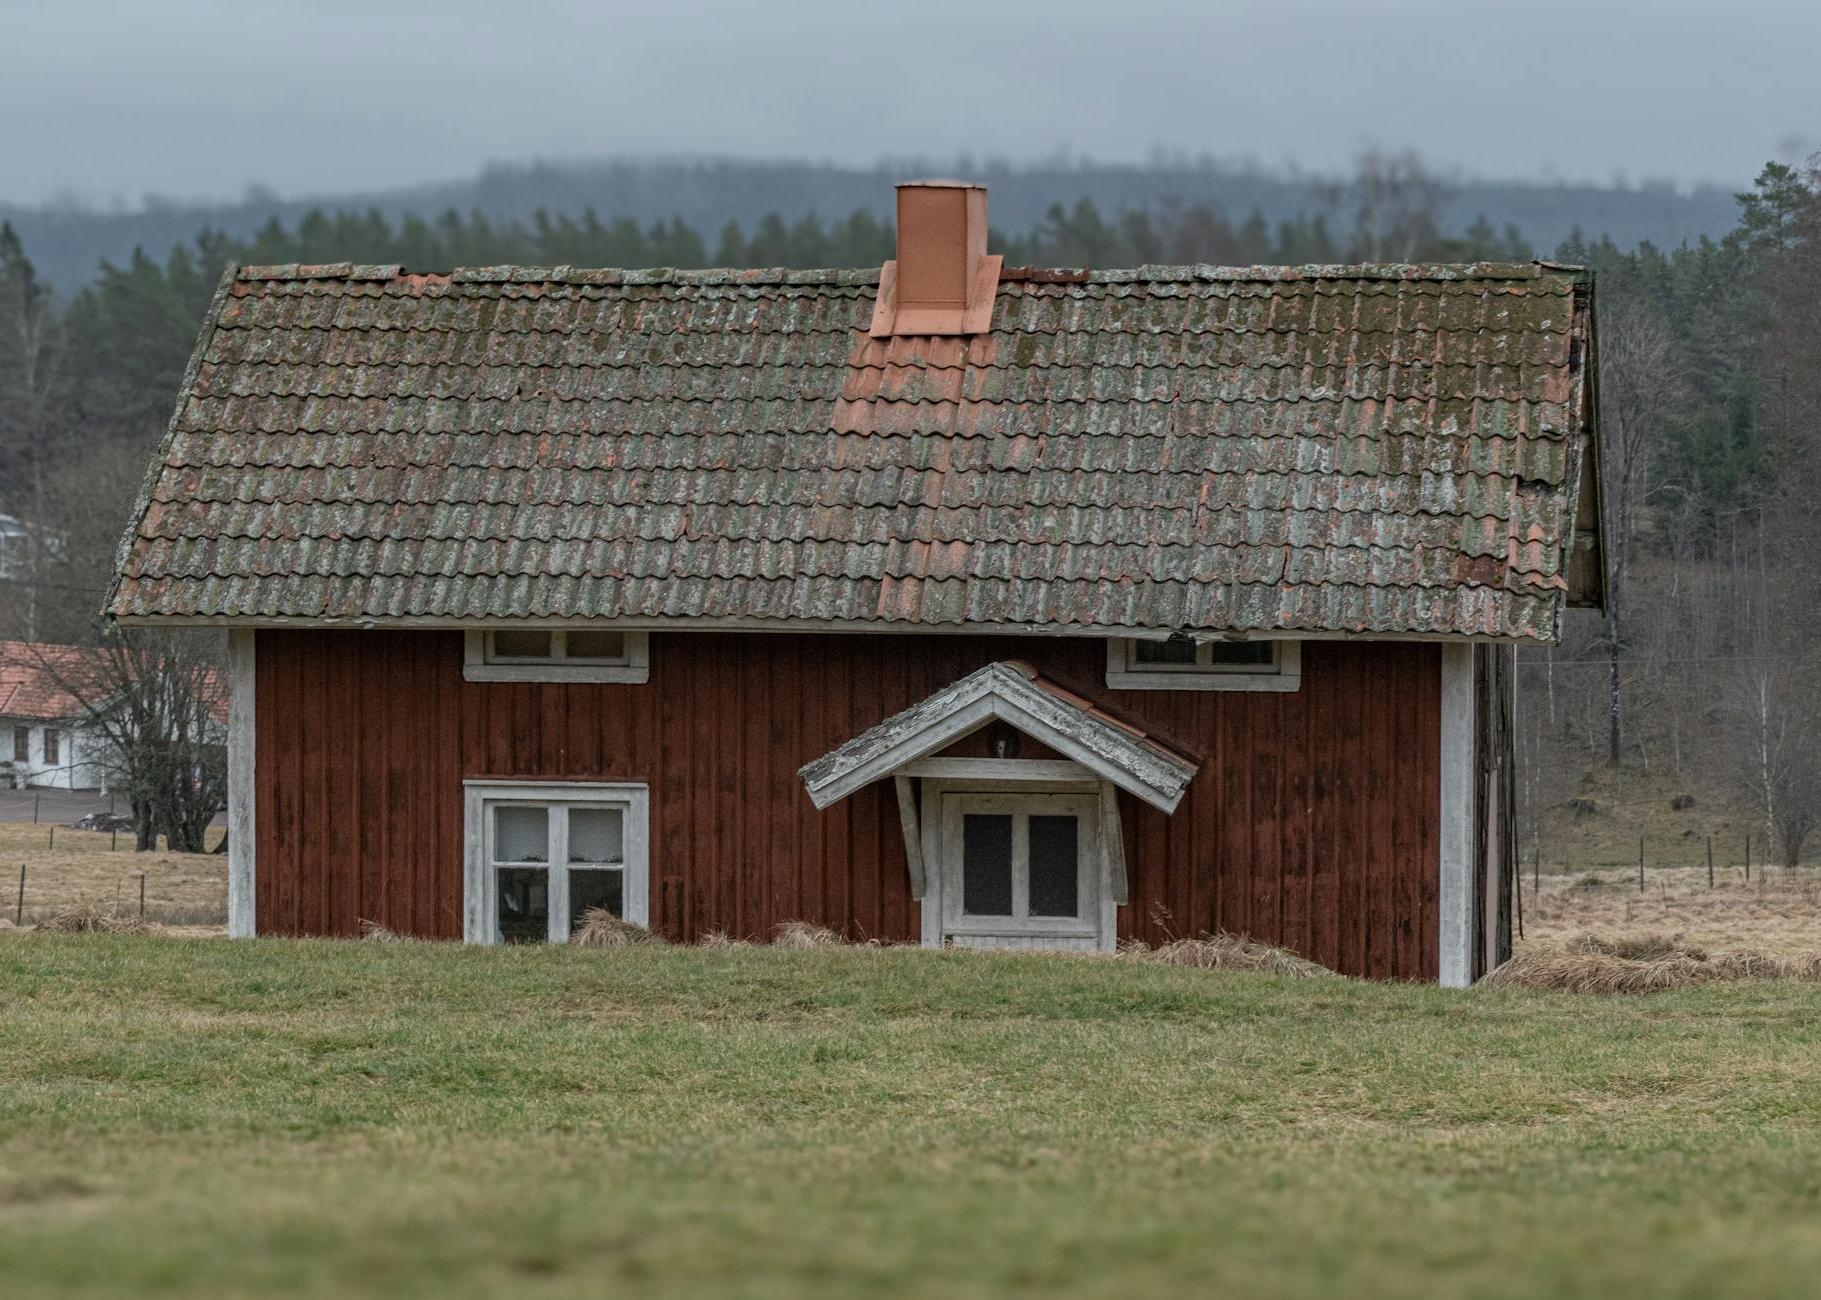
(112, 99)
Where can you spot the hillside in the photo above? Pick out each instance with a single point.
(68, 243)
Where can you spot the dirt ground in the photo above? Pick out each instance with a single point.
(1777, 912)
(76, 867)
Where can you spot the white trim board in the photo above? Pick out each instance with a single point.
(242, 800)
(787, 626)
(1009, 692)
(1457, 817)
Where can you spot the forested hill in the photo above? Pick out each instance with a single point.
(68, 243)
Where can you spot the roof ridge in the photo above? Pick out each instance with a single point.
(1187, 273)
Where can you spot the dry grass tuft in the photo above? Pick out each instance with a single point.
(721, 939)
(93, 918)
(602, 929)
(1221, 951)
(1644, 963)
(374, 932)
(803, 934)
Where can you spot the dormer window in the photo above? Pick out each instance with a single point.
(1183, 664)
(559, 654)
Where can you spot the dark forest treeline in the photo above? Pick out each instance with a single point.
(1710, 367)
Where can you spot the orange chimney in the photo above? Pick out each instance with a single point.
(942, 281)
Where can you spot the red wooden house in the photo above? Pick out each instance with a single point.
(950, 603)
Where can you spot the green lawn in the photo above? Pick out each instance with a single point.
(196, 1117)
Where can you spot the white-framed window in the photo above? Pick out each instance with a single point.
(540, 854)
(557, 654)
(1180, 664)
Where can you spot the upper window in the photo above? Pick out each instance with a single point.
(22, 744)
(542, 854)
(556, 654)
(52, 740)
(1180, 664)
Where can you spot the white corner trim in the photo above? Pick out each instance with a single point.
(242, 751)
(1457, 774)
(635, 671)
(1124, 675)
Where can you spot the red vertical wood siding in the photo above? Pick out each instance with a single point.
(1312, 823)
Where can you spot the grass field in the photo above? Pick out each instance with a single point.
(89, 867)
(201, 1118)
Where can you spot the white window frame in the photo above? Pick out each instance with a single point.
(1021, 807)
(480, 664)
(480, 895)
(1124, 672)
(940, 863)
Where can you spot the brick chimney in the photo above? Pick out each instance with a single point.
(942, 281)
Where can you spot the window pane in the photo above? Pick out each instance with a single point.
(521, 645)
(1055, 853)
(596, 645)
(524, 904)
(594, 889)
(1241, 654)
(596, 835)
(986, 864)
(22, 744)
(521, 834)
(1164, 652)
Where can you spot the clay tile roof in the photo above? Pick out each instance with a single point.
(30, 677)
(1390, 450)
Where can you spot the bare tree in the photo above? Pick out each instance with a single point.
(1639, 377)
(1393, 202)
(157, 701)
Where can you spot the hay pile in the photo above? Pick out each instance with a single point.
(1644, 963)
(802, 934)
(602, 929)
(1221, 951)
(93, 918)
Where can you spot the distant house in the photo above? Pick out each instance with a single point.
(946, 603)
(44, 740)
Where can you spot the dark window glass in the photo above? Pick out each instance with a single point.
(524, 904)
(50, 745)
(986, 864)
(1165, 652)
(595, 645)
(22, 744)
(1241, 654)
(521, 645)
(594, 889)
(1054, 857)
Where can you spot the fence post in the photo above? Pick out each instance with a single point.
(19, 912)
(35, 799)
(1640, 864)
(1710, 862)
(1748, 859)
(113, 841)
(52, 842)
(1536, 872)
(142, 895)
